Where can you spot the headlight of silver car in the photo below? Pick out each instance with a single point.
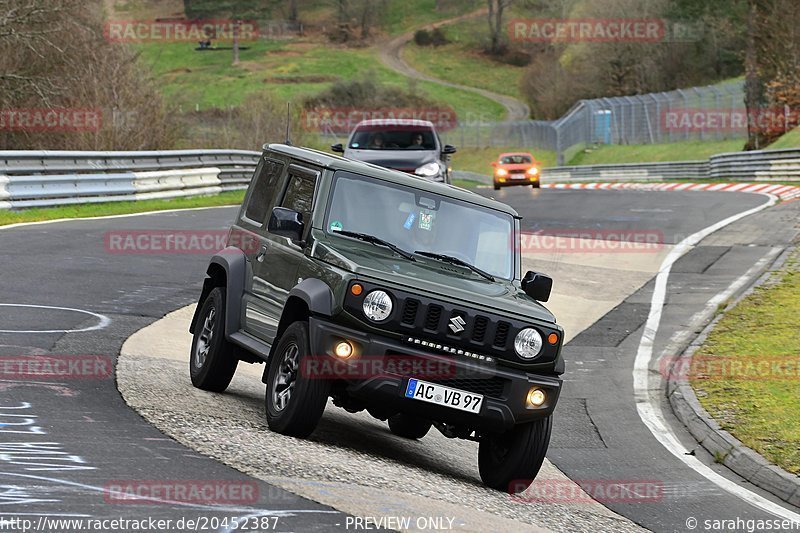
(428, 170)
(528, 343)
(377, 306)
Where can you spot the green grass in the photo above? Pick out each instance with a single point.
(290, 70)
(787, 140)
(760, 408)
(117, 208)
(478, 159)
(407, 15)
(461, 61)
(641, 153)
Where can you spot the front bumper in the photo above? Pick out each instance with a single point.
(508, 181)
(504, 389)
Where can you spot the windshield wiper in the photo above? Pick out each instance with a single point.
(366, 237)
(455, 261)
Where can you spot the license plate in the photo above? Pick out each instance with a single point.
(517, 176)
(441, 395)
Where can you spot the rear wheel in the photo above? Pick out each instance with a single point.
(294, 401)
(510, 461)
(213, 360)
(409, 427)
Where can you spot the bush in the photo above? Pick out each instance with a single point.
(422, 38)
(365, 93)
(435, 37)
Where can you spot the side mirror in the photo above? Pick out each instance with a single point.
(493, 163)
(286, 223)
(337, 148)
(448, 149)
(537, 286)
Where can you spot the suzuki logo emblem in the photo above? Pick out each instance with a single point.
(457, 324)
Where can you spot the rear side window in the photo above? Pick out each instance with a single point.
(264, 191)
(299, 195)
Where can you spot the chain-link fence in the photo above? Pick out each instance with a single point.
(700, 113)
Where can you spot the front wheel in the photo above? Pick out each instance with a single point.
(213, 360)
(497, 187)
(510, 461)
(536, 185)
(409, 427)
(295, 399)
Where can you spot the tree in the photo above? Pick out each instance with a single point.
(496, 27)
(772, 79)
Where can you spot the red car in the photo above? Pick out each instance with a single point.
(515, 168)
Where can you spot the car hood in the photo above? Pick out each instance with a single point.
(397, 159)
(429, 276)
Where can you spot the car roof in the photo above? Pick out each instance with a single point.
(515, 153)
(335, 162)
(395, 122)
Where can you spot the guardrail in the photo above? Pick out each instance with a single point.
(45, 178)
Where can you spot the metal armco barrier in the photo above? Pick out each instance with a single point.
(44, 178)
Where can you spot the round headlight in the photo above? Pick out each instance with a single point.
(528, 343)
(377, 306)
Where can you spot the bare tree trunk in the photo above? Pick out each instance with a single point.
(293, 10)
(496, 8)
(236, 42)
(753, 85)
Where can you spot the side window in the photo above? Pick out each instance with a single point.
(299, 196)
(264, 191)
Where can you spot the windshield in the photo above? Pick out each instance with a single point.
(393, 138)
(417, 220)
(515, 160)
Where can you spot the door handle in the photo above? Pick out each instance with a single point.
(262, 252)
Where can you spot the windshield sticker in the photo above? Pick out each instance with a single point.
(336, 225)
(410, 221)
(425, 221)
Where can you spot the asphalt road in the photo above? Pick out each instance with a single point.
(598, 434)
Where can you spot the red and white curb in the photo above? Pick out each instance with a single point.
(784, 192)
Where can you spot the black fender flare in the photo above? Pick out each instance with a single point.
(316, 294)
(231, 263)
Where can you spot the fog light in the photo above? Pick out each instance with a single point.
(536, 397)
(343, 350)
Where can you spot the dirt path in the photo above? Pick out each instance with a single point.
(389, 53)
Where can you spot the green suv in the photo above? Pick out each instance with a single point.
(387, 293)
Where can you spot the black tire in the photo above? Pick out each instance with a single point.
(536, 185)
(497, 187)
(212, 361)
(297, 412)
(510, 462)
(409, 427)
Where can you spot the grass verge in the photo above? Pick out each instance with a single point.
(118, 208)
(757, 403)
(639, 153)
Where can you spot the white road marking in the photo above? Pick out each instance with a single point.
(103, 321)
(150, 499)
(649, 406)
(102, 217)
